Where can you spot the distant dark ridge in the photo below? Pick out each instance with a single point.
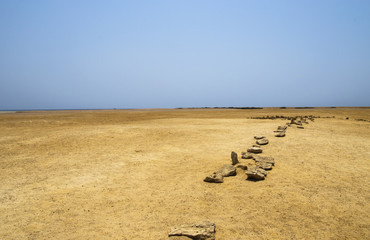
(223, 108)
(241, 107)
(362, 120)
(324, 107)
(295, 117)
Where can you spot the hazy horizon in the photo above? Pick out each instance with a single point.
(240, 108)
(183, 54)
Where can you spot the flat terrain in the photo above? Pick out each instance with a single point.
(133, 174)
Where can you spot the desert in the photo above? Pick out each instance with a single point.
(134, 174)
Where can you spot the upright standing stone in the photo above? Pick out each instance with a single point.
(234, 158)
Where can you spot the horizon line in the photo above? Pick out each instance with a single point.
(241, 108)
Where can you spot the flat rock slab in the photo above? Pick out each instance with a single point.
(256, 173)
(264, 165)
(199, 231)
(259, 137)
(226, 171)
(214, 178)
(301, 127)
(254, 150)
(178, 238)
(262, 141)
(282, 128)
(270, 160)
(280, 134)
(246, 155)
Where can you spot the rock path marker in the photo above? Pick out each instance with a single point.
(206, 230)
(214, 178)
(198, 231)
(259, 137)
(256, 173)
(254, 149)
(218, 176)
(234, 158)
(227, 171)
(280, 134)
(262, 141)
(247, 155)
(270, 160)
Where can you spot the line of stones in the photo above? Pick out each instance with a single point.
(262, 163)
(206, 230)
(288, 117)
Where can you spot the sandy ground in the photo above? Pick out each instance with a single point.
(133, 174)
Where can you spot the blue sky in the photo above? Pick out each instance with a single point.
(183, 53)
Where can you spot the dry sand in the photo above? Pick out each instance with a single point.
(132, 174)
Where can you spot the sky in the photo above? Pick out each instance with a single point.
(183, 53)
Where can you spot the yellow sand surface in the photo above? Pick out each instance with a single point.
(133, 174)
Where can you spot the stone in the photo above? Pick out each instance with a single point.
(246, 155)
(281, 127)
(262, 141)
(226, 171)
(296, 122)
(214, 178)
(256, 173)
(264, 165)
(243, 167)
(301, 127)
(280, 134)
(270, 160)
(234, 158)
(259, 137)
(254, 150)
(205, 230)
(178, 238)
